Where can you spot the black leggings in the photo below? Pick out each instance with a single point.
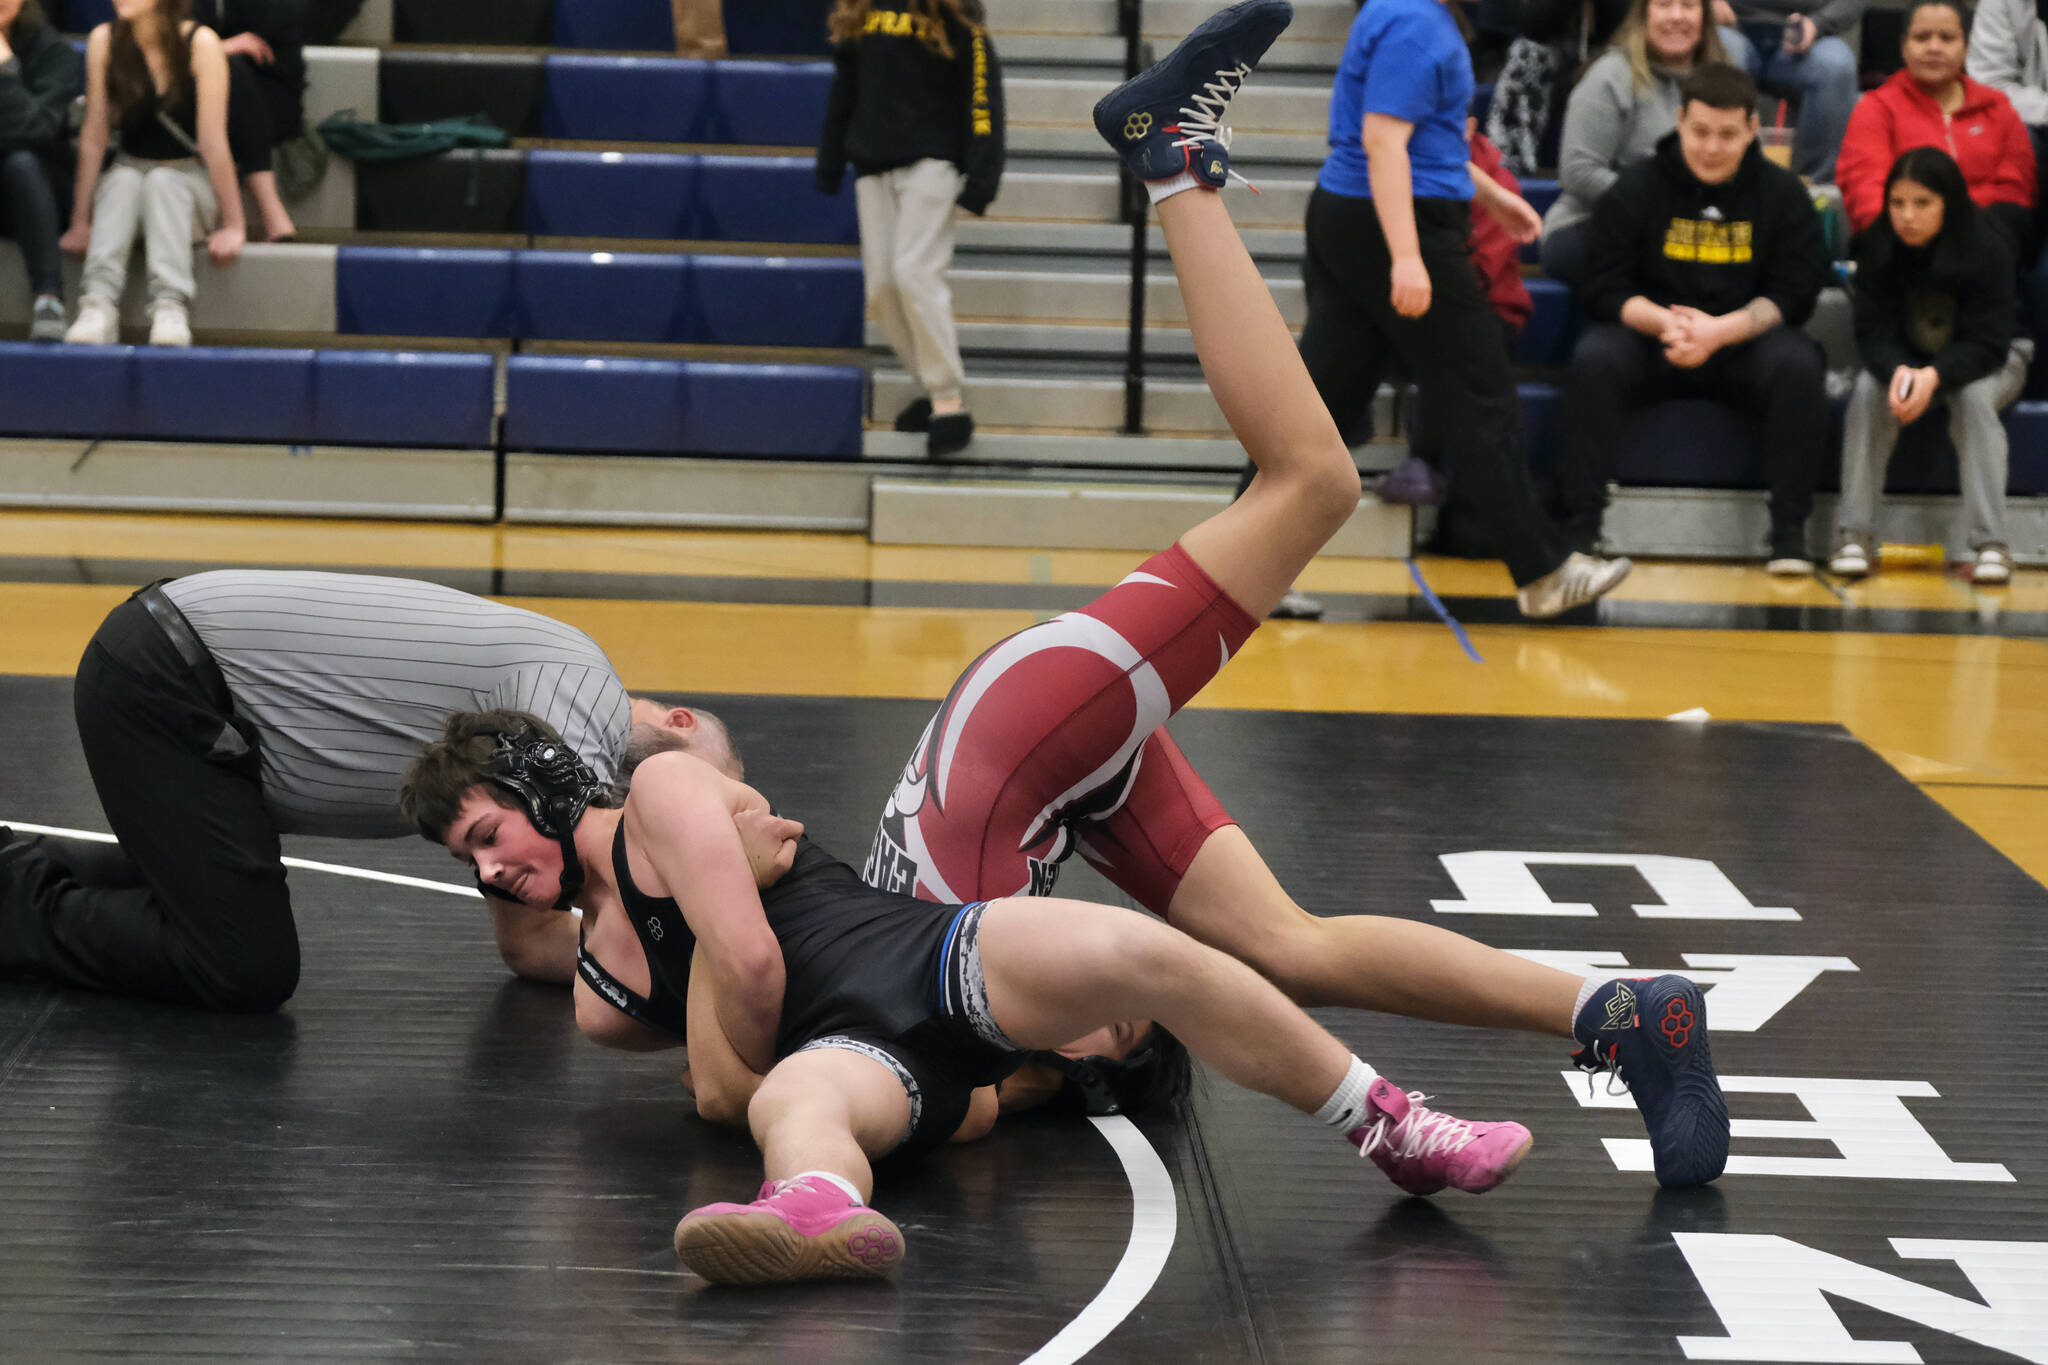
(1454, 352)
(202, 916)
(262, 112)
(29, 214)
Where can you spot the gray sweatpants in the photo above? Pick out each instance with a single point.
(1870, 433)
(906, 246)
(171, 203)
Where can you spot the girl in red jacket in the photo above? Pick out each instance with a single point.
(1931, 103)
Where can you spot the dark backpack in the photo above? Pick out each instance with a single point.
(363, 141)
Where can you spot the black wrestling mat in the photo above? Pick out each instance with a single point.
(419, 1159)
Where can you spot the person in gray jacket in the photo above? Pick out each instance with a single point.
(1620, 109)
(1795, 48)
(2009, 52)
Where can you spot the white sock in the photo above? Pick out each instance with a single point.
(1162, 189)
(1591, 984)
(831, 1179)
(1345, 1110)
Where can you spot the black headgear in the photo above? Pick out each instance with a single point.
(554, 787)
(1110, 1085)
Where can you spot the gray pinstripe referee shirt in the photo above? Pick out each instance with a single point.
(345, 676)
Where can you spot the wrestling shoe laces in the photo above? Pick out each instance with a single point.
(1423, 1150)
(1203, 124)
(1422, 1133)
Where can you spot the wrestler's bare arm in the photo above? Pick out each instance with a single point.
(723, 1083)
(679, 820)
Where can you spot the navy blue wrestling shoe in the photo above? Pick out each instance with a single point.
(1169, 119)
(1651, 1033)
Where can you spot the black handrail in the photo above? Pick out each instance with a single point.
(1136, 210)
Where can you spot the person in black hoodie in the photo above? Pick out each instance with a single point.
(40, 75)
(1703, 262)
(917, 107)
(1936, 316)
(265, 44)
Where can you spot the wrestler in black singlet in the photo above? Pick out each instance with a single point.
(859, 964)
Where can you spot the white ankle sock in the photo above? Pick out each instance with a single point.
(1162, 189)
(1345, 1110)
(831, 1179)
(1586, 989)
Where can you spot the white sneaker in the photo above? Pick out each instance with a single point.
(1994, 565)
(1789, 566)
(98, 323)
(1851, 560)
(1580, 579)
(1296, 605)
(168, 325)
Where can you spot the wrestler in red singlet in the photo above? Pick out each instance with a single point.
(1052, 738)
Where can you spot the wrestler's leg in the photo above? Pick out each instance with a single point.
(819, 1118)
(1306, 486)
(828, 1110)
(1230, 900)
(1052, 970)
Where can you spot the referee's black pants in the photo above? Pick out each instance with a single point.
(197, 912)
(1454, 352)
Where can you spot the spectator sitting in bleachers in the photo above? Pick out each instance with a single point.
(1617, 114)
(1789, 50)
(1930, 102)
(161, 82)
(265, 45)
(917, 106)
(2009, 53)
(39, 78)
(1704, 261)
(1936, 312)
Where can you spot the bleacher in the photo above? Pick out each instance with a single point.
(643, 312)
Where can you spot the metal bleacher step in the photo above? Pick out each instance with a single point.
(975, 235)
(1327, 20)
(1088, 292)
(1281, 118)
(1024, 50)
(1087, 193)
(1018, 396)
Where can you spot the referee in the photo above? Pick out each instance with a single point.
(221, 710)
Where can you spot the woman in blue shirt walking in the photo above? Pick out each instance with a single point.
(1388, 276)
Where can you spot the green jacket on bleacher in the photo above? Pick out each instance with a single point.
(37, 86)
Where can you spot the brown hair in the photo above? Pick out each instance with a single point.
(1632, 40)
(848, 21)
(128, 79)
(431, 794)
(1719, 86)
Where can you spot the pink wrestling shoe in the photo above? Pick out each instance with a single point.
(1422, 1150)
(798, 1229)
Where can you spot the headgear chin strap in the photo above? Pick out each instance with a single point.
(1107, 1085)
(554, 787)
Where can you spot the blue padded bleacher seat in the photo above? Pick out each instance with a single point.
(770, 199)
(415, 291)
(2027, 424)
(707, 300)
(679, 99)
(1541, 194)
(702, 198)
(566, 403)
(601, 296)
(628, 24)
(63, 390)
(402, 398)
(221, 393)
(776, 301)
(1553, 329)
(608, 194)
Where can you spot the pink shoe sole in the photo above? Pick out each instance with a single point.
(753, 1246)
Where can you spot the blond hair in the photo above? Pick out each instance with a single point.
(1632, 40)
